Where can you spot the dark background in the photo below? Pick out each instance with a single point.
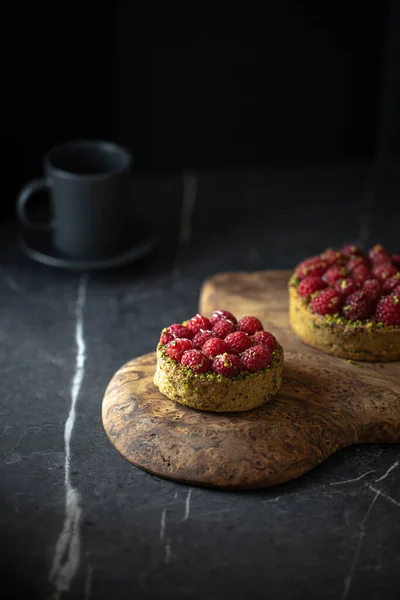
(283, 115)
(307, 83)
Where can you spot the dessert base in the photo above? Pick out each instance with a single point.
(369, 341)
(214, 392)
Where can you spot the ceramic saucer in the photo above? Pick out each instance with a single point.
(39, 247)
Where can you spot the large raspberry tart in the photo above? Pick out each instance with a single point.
(347, 303)
(219, 364)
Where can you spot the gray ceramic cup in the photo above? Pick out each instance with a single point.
(88, 182)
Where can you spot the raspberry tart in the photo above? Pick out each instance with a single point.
(347, 303)
(219, 364)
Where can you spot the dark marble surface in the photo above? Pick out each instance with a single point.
(112, 530)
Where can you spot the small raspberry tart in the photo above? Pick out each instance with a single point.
(347, 303)
(227, 366)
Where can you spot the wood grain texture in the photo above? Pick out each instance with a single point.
(325, 404)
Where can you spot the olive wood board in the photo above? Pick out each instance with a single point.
(325, 404)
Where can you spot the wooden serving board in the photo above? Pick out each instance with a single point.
(325, 404)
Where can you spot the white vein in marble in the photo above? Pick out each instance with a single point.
(187, 505)
(388, 471)
(68, 547)
(167, 556)
(352, 480)
(384, 495)
(349, 578)
(163, 523)
(189, 196)
(188, 202)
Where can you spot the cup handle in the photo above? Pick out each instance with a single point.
(25, 194)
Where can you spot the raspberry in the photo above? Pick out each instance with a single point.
(215, 346)
(223, 328)
(311, 266)
(351, 250)
(250, 325)
(397, 291)
(334, 273)
(344, 287)
(381, 259)
(382, 271)
(227, 365)
(195, 324)
(166, 337)
(378, 254)
(238, 341)
(360, 274)
(222, 314)
(396, 260)
(265, 338)
(180, 331)
(332, 257)
(390, 284)
(357, 306)
(310, 284)
(196, 360)
(176, 348)
(256, 358)
(372, 289)
(327, 302)
(354, 261)
(200, 338)
(388, 310)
